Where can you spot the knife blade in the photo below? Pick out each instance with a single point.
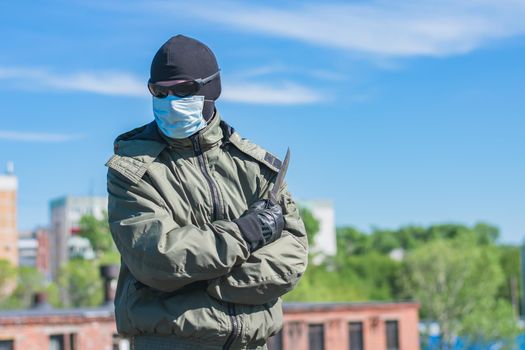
(280, 178)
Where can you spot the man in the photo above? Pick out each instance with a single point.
(205, 255)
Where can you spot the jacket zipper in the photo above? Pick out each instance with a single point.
(216, 215)
(213, 188)
(235, 327)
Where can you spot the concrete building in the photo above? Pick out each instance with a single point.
(66, 213)
(325, 243)
(8, 225)
(80, 247)
(33, 250)
(27, 250)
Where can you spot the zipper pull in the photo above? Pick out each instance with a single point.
(196, 144)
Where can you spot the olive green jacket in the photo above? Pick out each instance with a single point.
(188, 279)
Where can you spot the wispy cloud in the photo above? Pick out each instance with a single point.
(37, 136)
(278, 94)
(255, 72)
(381, 27)
(326, 75)
(106, 83)
(124, 84)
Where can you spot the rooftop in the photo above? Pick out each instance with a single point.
(8, 182)
(50, 315)
(335, 306)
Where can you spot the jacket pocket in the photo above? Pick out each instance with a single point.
(122, 319)
(261, 321)
(186, 314)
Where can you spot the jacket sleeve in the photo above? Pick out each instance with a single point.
(270, 271)
(157, 251)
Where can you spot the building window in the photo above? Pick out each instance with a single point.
(6, 344)
(72, 341)
(120, 343)
(356, 335)
(56, 342)
(392, 335)
(63, 342)
(275, 342)
(316, 337)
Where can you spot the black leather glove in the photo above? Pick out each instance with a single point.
(261, 224)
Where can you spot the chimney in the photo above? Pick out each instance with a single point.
(10, 168)
(40, 302)
(109, 274)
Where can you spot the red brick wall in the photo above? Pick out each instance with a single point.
(8, 231)
(336, 332)
(94, 334)
(42, 255)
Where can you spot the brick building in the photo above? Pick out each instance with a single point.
(75, 329)
(315, 326)
(43, 327)
(348, 326)
(8, 230)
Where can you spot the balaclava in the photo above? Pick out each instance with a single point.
(185, 58)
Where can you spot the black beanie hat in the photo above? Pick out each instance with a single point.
(182, 57)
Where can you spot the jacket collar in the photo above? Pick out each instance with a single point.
(208, 137)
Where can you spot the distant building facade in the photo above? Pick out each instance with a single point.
(27, 249)
(307, 326)
(42, 327)
(348, 326)
(325, 243)
(8, 225)
(37, 329)
(33, 250)
(66, 213)
(80, 247)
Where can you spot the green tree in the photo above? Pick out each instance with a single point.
(98, 234)
(80, 284)
(311, 224)
(378, 274)
(384, 241)
(446, 232)
(410, 237)
(485, 233)
(29, 281)
(7, 277)
(109, 258)
(53, 295)
(510, 263)
(320, 284)
(453, 279)
(351, 241)
(492, 319)
(355, 278)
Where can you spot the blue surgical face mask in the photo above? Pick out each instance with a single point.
(179, 117)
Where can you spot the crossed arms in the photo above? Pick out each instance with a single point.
(167, 257)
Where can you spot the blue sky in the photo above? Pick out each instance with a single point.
(406, 112)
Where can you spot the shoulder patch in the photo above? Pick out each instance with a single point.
(133, 158)
(130, 168)
(256, 152)
(270, 158)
